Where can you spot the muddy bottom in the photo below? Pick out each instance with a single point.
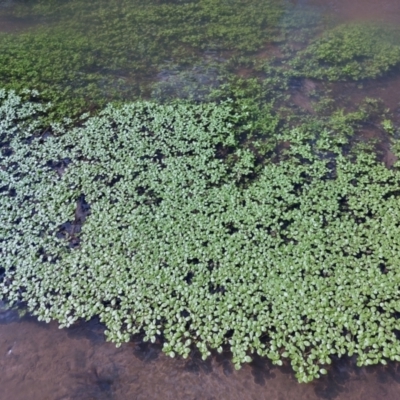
(39, 362)
(386, 10)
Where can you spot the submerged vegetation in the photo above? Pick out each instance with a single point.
(98, 51)
(355, 51)
(221, 216)
(82, 54)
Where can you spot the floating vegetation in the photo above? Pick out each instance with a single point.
(155, 218)
(351, 51)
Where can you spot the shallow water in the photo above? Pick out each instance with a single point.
(38, 361)
(387, 10)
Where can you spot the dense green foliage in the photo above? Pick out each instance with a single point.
(92, 52)
(153, 217)
(355, 51)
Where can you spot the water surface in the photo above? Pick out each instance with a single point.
(38, 361)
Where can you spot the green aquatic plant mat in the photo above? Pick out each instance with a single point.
(61, 66)
(351, 51)
(227, 24)
(81, 53)
(139, 217)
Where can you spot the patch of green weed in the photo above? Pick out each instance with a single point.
(351, 51)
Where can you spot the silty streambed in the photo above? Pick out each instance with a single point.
(39, 362)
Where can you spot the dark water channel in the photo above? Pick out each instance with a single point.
(38, 361)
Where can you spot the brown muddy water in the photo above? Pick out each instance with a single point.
(39, 362)
(388, 10)
(13, 24)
